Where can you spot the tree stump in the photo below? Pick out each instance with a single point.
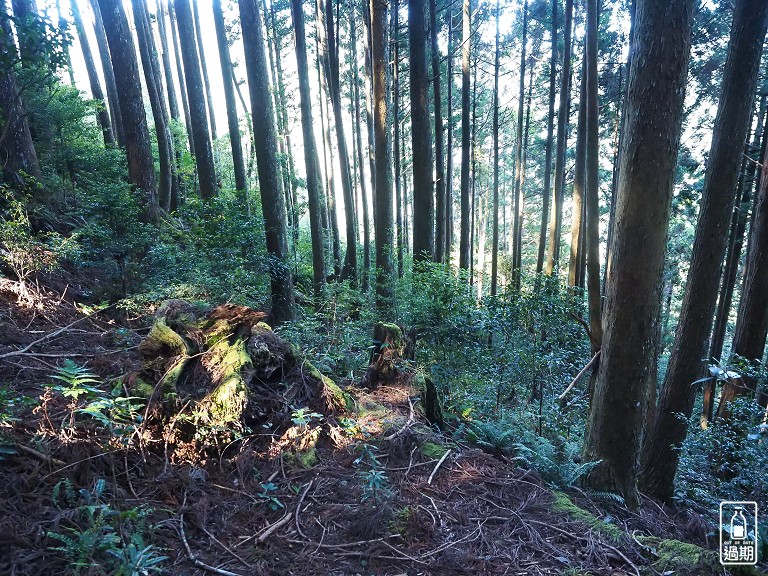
(433, 411)
(387, 353)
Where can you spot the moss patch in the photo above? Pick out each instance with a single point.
(163, 342)
(432, 450)
(563, 504)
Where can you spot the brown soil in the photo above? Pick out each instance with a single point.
(480, 514)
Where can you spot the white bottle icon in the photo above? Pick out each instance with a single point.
(738, 525)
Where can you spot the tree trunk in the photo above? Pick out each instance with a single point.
(562, 141)
(465, 247)
(495, 224)
(206, 172)
(383, 189)
(399, 204)
(752, 318)
(592, 189)
(109, 75)
(421, 135)
(235, 142)
(93, 76)
(182, 80)
(575, 267)
(359, 140)
(265, 144)
(518, 210)
(314, 179)
(349, 270)
(138, 148)
(198, 35)
(439, 158)
(661, 455)
(750, 180)
(548, 145)
(17, 151)
(618, 410)
(173, 104)
(151, 67)
(449, 144)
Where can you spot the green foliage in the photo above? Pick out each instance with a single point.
(726, 461)
(302, 417)
(268, 497)
(103, 540)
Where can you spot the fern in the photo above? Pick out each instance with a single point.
(77, 380)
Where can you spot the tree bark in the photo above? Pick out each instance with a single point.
(173, 104)
(314, 179)
(518, 209)
(440, 211)
(661, 455)
(548, 146)
(383, 189)
(151, 67)
(180, 74)
(109, 75)
(575, 267)
(233, 122)
(204, 68)
(655, 109)
(17, 151)
(449, 144)
(465, 247)
(93, 76)
(265, 144)
(138, 148)
(592, 189)
(495, 248)
(399, 204)
(421, 135)
(206, 172)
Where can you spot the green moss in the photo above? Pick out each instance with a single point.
(163, 342)
(674, 554)
(432, 450)
(563, 504)
(142, 388)
(307, 458)
(171, 378)
(227, 401)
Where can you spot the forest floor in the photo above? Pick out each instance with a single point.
(399, 498)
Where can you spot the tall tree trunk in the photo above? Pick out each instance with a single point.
(383, 189)
(182, 79)
(575, 267)
(465, 247)
(562, 141)
(661, 455)
(748, 183)
(439, 157)
(449, 144)
(495, 224)
(151, 67)
(518, 211)
(206, 172)
(330, 195)
(349, 270)
(265, 144)
(63, 25)
(548, 144)
(17, 151)
(752, 317)
(173, 104)
(235, 142)
(359, 140)
(138, 148)
(109, 75)
(654, 117)
(592, 190)
(421, 134)
(93, 76)
(314, 179)
(399, 204)
(204, 67)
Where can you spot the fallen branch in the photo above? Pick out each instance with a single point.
(405, 426)
(579, 375)
(298, 509)
(40, 455)
(437, 466)
(193, 558)
(52, 334)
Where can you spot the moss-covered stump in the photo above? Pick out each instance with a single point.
(218, 373)
(386, 355)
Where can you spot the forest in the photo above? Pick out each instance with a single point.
(441, 287)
